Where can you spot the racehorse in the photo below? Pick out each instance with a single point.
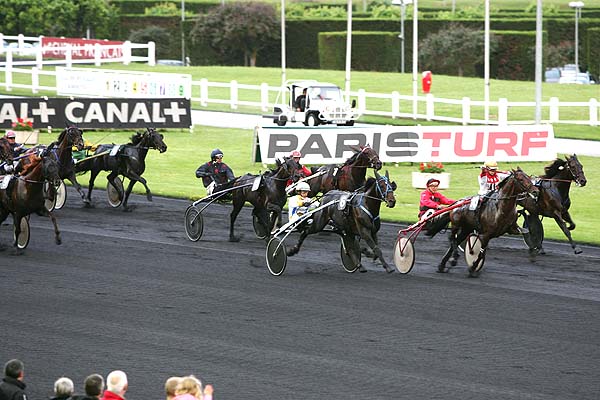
(129, 161)
(268, 199)
(554, 201)
(6, 153)
(358, 218)
(349, 176)
(495, 216)
(25, 193)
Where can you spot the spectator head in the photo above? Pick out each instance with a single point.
(116, 382)
(14, 369)
(171, 386)
(94, 385)
(63, 387)
(190, 385)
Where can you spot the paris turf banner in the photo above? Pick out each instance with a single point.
(96, 113)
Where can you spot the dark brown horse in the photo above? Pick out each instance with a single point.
(349, 176)
(6, 153)
(554, 201)
(495, 216)
(129, 161)
(359, 218)
(25, 193)
(268, 199)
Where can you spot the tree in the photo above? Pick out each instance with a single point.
(456, 49)
(232, 27)
(57, 17)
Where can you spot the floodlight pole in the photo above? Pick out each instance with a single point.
(538, 62)
(283, 78)
(182, 32)
(486, 78)
(415, 63)
(348, 50)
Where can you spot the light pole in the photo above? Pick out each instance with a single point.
(283, 60)
(402, 4)
(577, 5)
(182, 32)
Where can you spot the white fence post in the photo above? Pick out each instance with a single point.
(430, 106)
(502, 111)
(21, 40)
(264, 96)
(39, 57)
(97, 54)
(593, 112)
(554, 109)
(35, 80)
(233, 95)
(1, 41)
(204, 92)
(466, 110)
(126, 52)
(395, 104)
(362, 101)
(8, 71)
(151, 54)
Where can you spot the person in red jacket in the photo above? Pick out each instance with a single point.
(432, 200)
(116, 386)
(302, 170)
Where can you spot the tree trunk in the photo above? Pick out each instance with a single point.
(253, 58)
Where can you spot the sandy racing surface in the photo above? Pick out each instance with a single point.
(129, 291)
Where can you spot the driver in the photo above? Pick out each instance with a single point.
(490, 177)
(215, 172)
(432, 200)
(300, 204)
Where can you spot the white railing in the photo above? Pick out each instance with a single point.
(31, 47)
(457, 111)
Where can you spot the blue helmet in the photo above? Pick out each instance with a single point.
(216, 153)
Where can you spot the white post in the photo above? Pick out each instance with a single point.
(182, 32)
(538, 62)
(97, 54)
(233, 95)
(151, 54)
(466, 110)
(486, 78)
(35, 80)
(554, 110)
(593, 112)
(402, 14)
(577, 5)
(283, 60)
(362, 101)
(39, 57)
(8, 70)
(21, 40)
(127, 53)
(415, 49)
(264, 96)
(348, 50)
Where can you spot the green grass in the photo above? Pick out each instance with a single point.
(171, 174)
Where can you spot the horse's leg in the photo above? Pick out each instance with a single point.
(135, 177)
(454, 236)
(366, 234)
(77, 186)
(563, 226)
(485, 240)
(296, 248)
(567, 218)
(17, 231)
(126, 196)
(237, 207)
(57, 238)
(93, 175)
(270, 221)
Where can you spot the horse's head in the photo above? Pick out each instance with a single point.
(6, 153)
(155, 140)
(524, 184)
(576, 170)
(367, 156)
(385, 189)
(73, 137)
(288, 168)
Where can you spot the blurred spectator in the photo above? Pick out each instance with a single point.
(94, 386)
(190, 388)
(116, 386)
(12, 386)
(171, 385)
(63, 388)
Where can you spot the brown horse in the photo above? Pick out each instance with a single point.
(268, 199)
(6, 153)
(359, 218)
(25, 193)
(349, 176)
(553, 201)
(495, 216)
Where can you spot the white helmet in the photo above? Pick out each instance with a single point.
(303, 187)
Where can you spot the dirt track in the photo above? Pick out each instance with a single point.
(129, 291)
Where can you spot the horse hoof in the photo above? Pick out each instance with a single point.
(149, 197)
(234, 239)
(453, 262)
(388, 269)
(541, 251)
(362, 269)
(87, 204)
(442, 269)
(128, 209)
(58, 241)
(578, 250)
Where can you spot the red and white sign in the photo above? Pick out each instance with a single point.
(80, 48)
(411, 143)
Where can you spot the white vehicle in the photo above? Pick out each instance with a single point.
(313, 103)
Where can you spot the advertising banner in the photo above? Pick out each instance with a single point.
(329, 145)
(81, 48)
(96, 113)
(114, 83)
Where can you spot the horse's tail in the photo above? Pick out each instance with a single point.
(437, 224)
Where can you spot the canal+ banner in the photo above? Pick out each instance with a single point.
(92, 113)
(329, 145)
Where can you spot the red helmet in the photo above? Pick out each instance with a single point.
(295, 154)
(431, 181)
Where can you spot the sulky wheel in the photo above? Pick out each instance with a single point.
(472, 252)
(404, 255)
(61, 195)
(260, 229)
(276, 255)
(115, 192)
(23, 239)
(350, 253)
(194, 224)
(49, 196)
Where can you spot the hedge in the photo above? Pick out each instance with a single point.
(593, 51)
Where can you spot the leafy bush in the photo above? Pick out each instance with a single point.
(164, 9)
(159, 35)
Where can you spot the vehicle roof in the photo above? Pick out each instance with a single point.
(310, 83)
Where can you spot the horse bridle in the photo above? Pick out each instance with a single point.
(520, 195)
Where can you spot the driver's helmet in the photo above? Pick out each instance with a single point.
(491, 164)
(303, 187)
(295, 154)
(216, 153)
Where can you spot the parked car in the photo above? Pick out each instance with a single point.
(582, 78)
(323, 104)
(552, 75)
